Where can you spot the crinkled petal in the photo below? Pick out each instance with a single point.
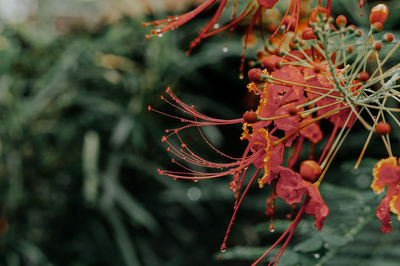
(267, 3)
(383, 214)
(291, 187)
(272, 156)
(386, 172)
(316, 207)
(395, 205)
(312, 131)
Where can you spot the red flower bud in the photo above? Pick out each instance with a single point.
(388, 37)
(254, 75)
(341, 21)
(350, 49)
(382, 128)
(250, 117)
(377, 27)
(378, 46)
(271, 28)
(310, 170)
(352, 27)
(379, 13)
(290, 23)
(364, 76)
(271, 62)
(308, 34)
(317, 13)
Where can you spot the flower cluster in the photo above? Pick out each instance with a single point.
(302, 81)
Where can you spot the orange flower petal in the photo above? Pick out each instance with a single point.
(385, 172)
(395, 205)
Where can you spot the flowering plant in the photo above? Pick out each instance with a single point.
(312, 71)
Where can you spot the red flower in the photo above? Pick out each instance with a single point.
(387, 173)
(292, 187)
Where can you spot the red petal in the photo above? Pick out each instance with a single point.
(395, 205)
(383, 214)
(386, 172)
(291, 187)
(267, 3)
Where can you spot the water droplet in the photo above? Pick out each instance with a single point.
(326, 245)
(195, 180)
(272, 230)
(317, 256)
(223, 248)
(241, 76)
(193, 193)
(216, 26)
(158, 30)
(159, 35)
(225, 49)
(176, 17)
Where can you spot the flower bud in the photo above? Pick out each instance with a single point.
(255, 75)
(341, 21)
(382, 128)
(290, 23)
(271, 62)
(250, 117)
(317, 14)
(379, 13)
(377, 27)
(271, 28)
(388, 37)
(364, 76)
(350, 49)
(378, 46)
(310, 170)
(308, 34)
(352, 27)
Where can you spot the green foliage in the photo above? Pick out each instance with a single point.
(79, 155)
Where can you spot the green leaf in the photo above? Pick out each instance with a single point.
(334, 239)
(309, 245)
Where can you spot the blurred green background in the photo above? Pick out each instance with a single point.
(79, 151)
